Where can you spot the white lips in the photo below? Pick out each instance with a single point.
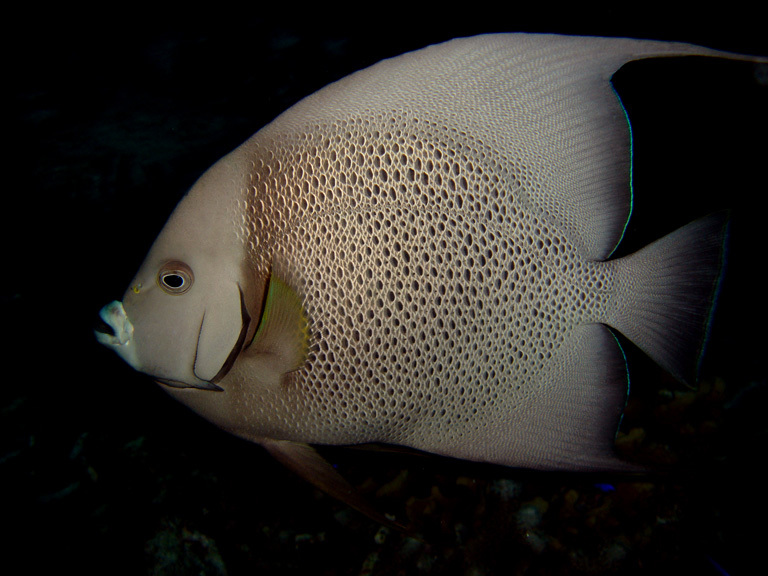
(122, 340)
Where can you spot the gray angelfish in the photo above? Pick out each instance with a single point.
(419, 255)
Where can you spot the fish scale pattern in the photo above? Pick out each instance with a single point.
(446, 219)
(435, 295)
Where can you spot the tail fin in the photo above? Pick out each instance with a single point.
(671, 289)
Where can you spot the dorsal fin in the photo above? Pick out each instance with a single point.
(543, 103)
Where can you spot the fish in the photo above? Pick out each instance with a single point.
(420, 255)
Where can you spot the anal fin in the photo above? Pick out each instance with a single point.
(577, 413)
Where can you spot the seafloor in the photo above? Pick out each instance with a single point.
(112, 119)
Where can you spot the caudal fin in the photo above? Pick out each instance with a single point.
(669, 289)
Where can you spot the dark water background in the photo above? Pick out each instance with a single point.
(112, 117)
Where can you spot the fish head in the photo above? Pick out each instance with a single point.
(184, 318)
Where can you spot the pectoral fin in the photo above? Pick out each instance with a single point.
(307, 463)
(282, 338)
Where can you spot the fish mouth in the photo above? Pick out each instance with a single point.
(102, 327)
(114, 330)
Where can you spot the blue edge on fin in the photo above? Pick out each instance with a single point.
(626, 371)
(715, 295)
(631, 168)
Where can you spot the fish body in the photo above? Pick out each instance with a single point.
(419, 254)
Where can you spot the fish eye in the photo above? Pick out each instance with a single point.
(175, 277)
